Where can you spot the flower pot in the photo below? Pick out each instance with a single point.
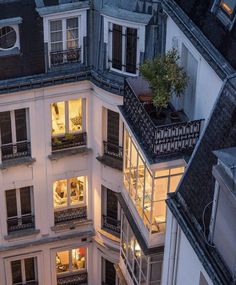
(174, 116)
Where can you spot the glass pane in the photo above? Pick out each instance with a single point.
(160, 188)
(133, 173)
(77, 190)
(56, 37)
(177, 170)
(72, 23)
(58, 118)
(155, 272)
(78, 258)
(228, 6)
(160, 173)
(56, 47)
(30, 273)
(117, 47)
(21, 129)
(62, 261)
(16, 271)
(75, 115)
(60, 193)
(130, 247)
(159, 216)
(56, 25)
(25, 200)
(131, 50)
(174, 181)
(5, 127)
(11, 203)
(144, 266)
(7, 37)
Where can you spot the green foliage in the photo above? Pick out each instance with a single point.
(69, 136)
(165, 76)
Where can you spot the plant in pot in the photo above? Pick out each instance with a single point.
(166, 79)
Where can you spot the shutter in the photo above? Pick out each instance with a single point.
(131, 50)
(110, 273)
(117, 47)
(113, 127)
(112, 207)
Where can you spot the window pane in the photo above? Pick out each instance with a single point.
(16, 271)
(159, 216)
(11, 203)
(5, 127)
(25, 200)
(60, 193)
(56, 47)
(131, 50)
(21, 129)
(55, 25)
(77, 190)
(113, 128)
(75, 115)
(160, 188)
(78, 258)
(58, 118)
(30, 273)
(62, 261)
(155, 272)
(117, 47)
(177, 170)
(56, 37)
(174, 182)
(72, 23)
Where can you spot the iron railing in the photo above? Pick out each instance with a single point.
(111, 224)
(69, 141)
(65, 56)
(73, 279)
(18, 224)
(67, 215)
(12, 151)
(160, 140)
(113, 150)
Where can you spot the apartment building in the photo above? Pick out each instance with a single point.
(85, 168)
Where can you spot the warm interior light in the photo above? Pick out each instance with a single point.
(226, 7)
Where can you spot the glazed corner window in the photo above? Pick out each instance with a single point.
(24, 271)
(67, 117)
(123, 48)
(228, 6)
(69, 261)
(64, 41)
(69, 192)
(8, 37)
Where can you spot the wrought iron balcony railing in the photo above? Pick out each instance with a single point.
(73, 279)
(65, 56)
(12, 151)
(72, 214)
(18, 224)
(111, 224)
(113, 150)
(159, 140)
(69, 141)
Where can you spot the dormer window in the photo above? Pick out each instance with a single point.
(7, 37)
(228, 6)
(225, 12)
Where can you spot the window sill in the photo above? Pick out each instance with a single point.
(23, 233)
(123, 72)
(10, 52)
(69, 152)
(17, 161)
(72, 225)
(111, 162)
(109, 235)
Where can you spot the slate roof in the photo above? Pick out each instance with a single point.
(197, 187)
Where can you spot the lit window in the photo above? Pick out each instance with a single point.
(228, 6)
(67, 117)
(69, 261)
(69, 192)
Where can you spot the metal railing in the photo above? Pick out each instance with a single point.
(69, 141)
(111, 224)
(12, 151)
(18, 224)
(113, 150)
(73, 279)
(160, 140)
(67, 215)
(65, 56)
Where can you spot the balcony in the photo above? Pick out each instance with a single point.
(69, 141)
(18, 150)
(67, 215)
(65, 56)
(111, 225)
(73, 279)
(112, 155)
(159, 137)
(18, 224)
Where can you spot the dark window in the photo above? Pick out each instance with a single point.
(21, 129)
(24, 271)
(7, 37)
(113, 127)
(112, 204)
(131, 50)
(117, 47)
(25, 200)
(110, 273)
(5, 127)
(30, 274)
(16, 271)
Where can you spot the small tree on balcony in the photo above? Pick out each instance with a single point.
(166, 78)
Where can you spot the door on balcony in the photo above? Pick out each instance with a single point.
(109, 273)
(112, 133)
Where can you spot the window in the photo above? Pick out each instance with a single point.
(228, 6)
(225, 12)
(19, 204)
(64, 41)
(69, 192)
(14, 134)
(71, 261)
(9, 37)
(24, 271)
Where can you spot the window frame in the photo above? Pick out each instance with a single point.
(17, 42)
(226, 19)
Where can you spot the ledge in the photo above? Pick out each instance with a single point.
(17, 161)
(111, 162)
(21, 233)
(10, 52)
(68, 152)
(71, 225)
(11, 21)
(109, 235)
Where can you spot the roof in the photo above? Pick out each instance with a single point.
(197, 187)
(227, 156)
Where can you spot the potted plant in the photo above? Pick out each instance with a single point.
(166, 78)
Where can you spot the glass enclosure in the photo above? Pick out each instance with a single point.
(148, 189)
(142, 269)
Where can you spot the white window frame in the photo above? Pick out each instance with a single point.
(17, 43)
(82, 28)
(108, 24)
